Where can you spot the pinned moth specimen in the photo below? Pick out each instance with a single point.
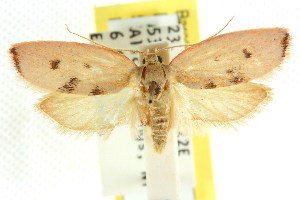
(96, 89)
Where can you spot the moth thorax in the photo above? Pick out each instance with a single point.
(153, 79)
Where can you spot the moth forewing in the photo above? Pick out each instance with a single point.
(231, 58)
(70, 67)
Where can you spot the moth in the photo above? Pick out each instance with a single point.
(96, 89)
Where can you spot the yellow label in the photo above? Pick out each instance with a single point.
(204, 174)
(187, 12)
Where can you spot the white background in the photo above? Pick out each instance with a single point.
(258, 161)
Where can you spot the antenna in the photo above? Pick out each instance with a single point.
(96, 43)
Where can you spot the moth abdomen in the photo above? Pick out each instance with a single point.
(159, 123)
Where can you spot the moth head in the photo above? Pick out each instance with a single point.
(152, 59)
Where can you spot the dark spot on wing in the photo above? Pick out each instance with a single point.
(229, 71)
(87, 65)
(97, 91)
(54, 63)
(70, 86)
(217, 58)
(284, 43)
(237, 79)
(210, 85)
(15, 57)
(247, 53)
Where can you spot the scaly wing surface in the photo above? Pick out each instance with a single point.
(232, 58)
(70, 67)
(219, 106)
(95, 113)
